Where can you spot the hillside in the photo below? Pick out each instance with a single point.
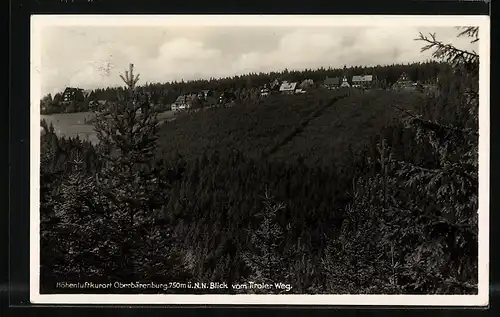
(313, 127)
(249, 128)
(347, 127)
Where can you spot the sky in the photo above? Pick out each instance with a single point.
(92, 57)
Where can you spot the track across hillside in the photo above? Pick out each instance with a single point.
(345, 128)
(298, 129)
(252, 129)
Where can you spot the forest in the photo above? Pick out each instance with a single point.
(337, 192)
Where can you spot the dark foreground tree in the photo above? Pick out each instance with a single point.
(111, 220)
(268, 256)
(133, 187)
(412, 226)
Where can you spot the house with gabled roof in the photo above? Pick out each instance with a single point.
(364, 81)
(274, 84)
(72, 94)
(184, 102)
(288, 87)
(306, 83)
(405, 83)
(331, 83)
(345, 83)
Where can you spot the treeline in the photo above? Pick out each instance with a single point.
(389, 74)
(247, 87)
(398, 215)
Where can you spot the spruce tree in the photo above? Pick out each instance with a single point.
(128, 133)
(268, 257)
(131, 184)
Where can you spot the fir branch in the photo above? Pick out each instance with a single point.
(447, 52)
(432, 219)
(463, 170)
(434, 125)
(469, 31)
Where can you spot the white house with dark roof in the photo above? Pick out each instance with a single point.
(184, 102)
(288, 87)
(362, 81)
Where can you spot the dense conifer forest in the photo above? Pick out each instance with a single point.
(333, 192)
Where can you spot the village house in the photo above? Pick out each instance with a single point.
(331, 83)
(274, 85)
(307, 83)
(345, 83)
(72, 94)
(405, 84)
(287, 87)
(97, 105)
(204, 94)
(184, 102)
(264, 91)
(364, 81)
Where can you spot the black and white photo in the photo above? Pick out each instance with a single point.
(298, 160)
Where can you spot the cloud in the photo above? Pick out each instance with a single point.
(100, 69)
(93, 57)
(303, 49)
(299, 49)
(182, 58)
